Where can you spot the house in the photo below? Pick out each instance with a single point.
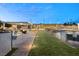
(17, 25)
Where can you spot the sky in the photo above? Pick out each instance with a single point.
(48, 13)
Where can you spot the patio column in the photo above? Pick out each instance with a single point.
(78, 26)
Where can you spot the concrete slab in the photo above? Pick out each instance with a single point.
(24, 43)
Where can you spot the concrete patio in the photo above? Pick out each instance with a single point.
(23, 43)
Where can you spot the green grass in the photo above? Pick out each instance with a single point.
(47, 45)
(11, 52)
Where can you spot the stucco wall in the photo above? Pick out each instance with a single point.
(5, 43)
(62, 35)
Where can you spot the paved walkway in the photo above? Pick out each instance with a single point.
(23, 43)
(74, 44)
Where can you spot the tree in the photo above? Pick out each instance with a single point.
(7, 25)
(0, 23)
(74, 23)
(70, 23)
(65, 24)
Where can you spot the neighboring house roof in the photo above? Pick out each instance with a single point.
(22, 23)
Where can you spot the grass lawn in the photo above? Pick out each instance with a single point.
(47, 45)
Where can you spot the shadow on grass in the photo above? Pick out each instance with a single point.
(11, 52)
